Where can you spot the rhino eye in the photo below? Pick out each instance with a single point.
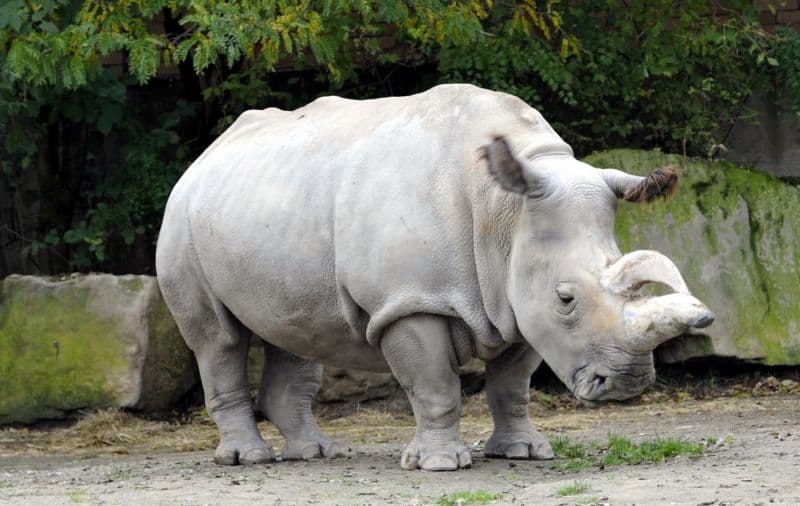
(565, 294)
(566, 298)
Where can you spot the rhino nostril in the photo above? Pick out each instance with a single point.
(599, 381)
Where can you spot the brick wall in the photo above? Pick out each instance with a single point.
(779, 12)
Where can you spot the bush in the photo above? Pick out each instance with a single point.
(88, 156)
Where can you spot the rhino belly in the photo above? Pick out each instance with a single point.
(292, 303)
(272, 265)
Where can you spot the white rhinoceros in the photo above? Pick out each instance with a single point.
(396, 234)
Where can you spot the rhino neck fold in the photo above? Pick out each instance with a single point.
(495, 214)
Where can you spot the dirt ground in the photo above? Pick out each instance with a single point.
(756, 460)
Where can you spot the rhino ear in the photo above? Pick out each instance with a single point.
(660, 183)
(509, 171)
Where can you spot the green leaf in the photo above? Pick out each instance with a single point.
(48, 27)
(110, 114)
(145, 55)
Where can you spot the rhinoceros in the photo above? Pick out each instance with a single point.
(410, 234)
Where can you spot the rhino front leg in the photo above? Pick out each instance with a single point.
(288, 386)
(507, 391)
(420, 353)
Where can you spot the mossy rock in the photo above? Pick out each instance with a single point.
(733, 232)
(88, 342)
(337, 384)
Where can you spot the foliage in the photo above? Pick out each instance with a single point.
(130, 202)
(61, 107)
(667, 74)
(90, 150)
(42, 49)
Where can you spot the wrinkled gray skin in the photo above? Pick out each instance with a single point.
(373, 234)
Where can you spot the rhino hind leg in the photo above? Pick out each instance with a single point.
(288, 386)
(420, 353)
(507, 391)
(220, 344)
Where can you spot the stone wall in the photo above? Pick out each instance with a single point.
(772, 143)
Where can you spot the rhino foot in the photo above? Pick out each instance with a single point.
(231, 453)
(439, 456)
(529, 445)
(305, 449)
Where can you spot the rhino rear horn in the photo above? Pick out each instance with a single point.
(629, 273)
(661, 183)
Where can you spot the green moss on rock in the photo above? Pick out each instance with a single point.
(87, 342)
(53, 358)
(169, 370)
(733, 233)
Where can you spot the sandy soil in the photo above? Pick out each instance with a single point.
(759, 464)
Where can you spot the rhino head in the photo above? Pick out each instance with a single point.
(577, 300)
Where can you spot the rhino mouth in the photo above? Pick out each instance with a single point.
(595, 383)
(589, 386)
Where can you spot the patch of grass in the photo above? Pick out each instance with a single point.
(576, 453)
(468, 497)
(543, 398)
(622, 451)
(711, 440)
(729, 440)
(577, 488)
(587, 501)
(78, 496)
(572, 465)
(564, 447)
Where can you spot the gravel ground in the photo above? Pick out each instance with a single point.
(757, 461)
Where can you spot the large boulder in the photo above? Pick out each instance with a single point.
(345, 385)
(88, 342)
(733, 232)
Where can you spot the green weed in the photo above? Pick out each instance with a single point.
(468, 497)
(577, 487)
(622, 451)
(564, 447)
(572, 465)
(587, 501)
(78, 496)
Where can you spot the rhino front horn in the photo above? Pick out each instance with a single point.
(652, 321)
(629, 273)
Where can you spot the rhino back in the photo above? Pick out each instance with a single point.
(320, 226)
